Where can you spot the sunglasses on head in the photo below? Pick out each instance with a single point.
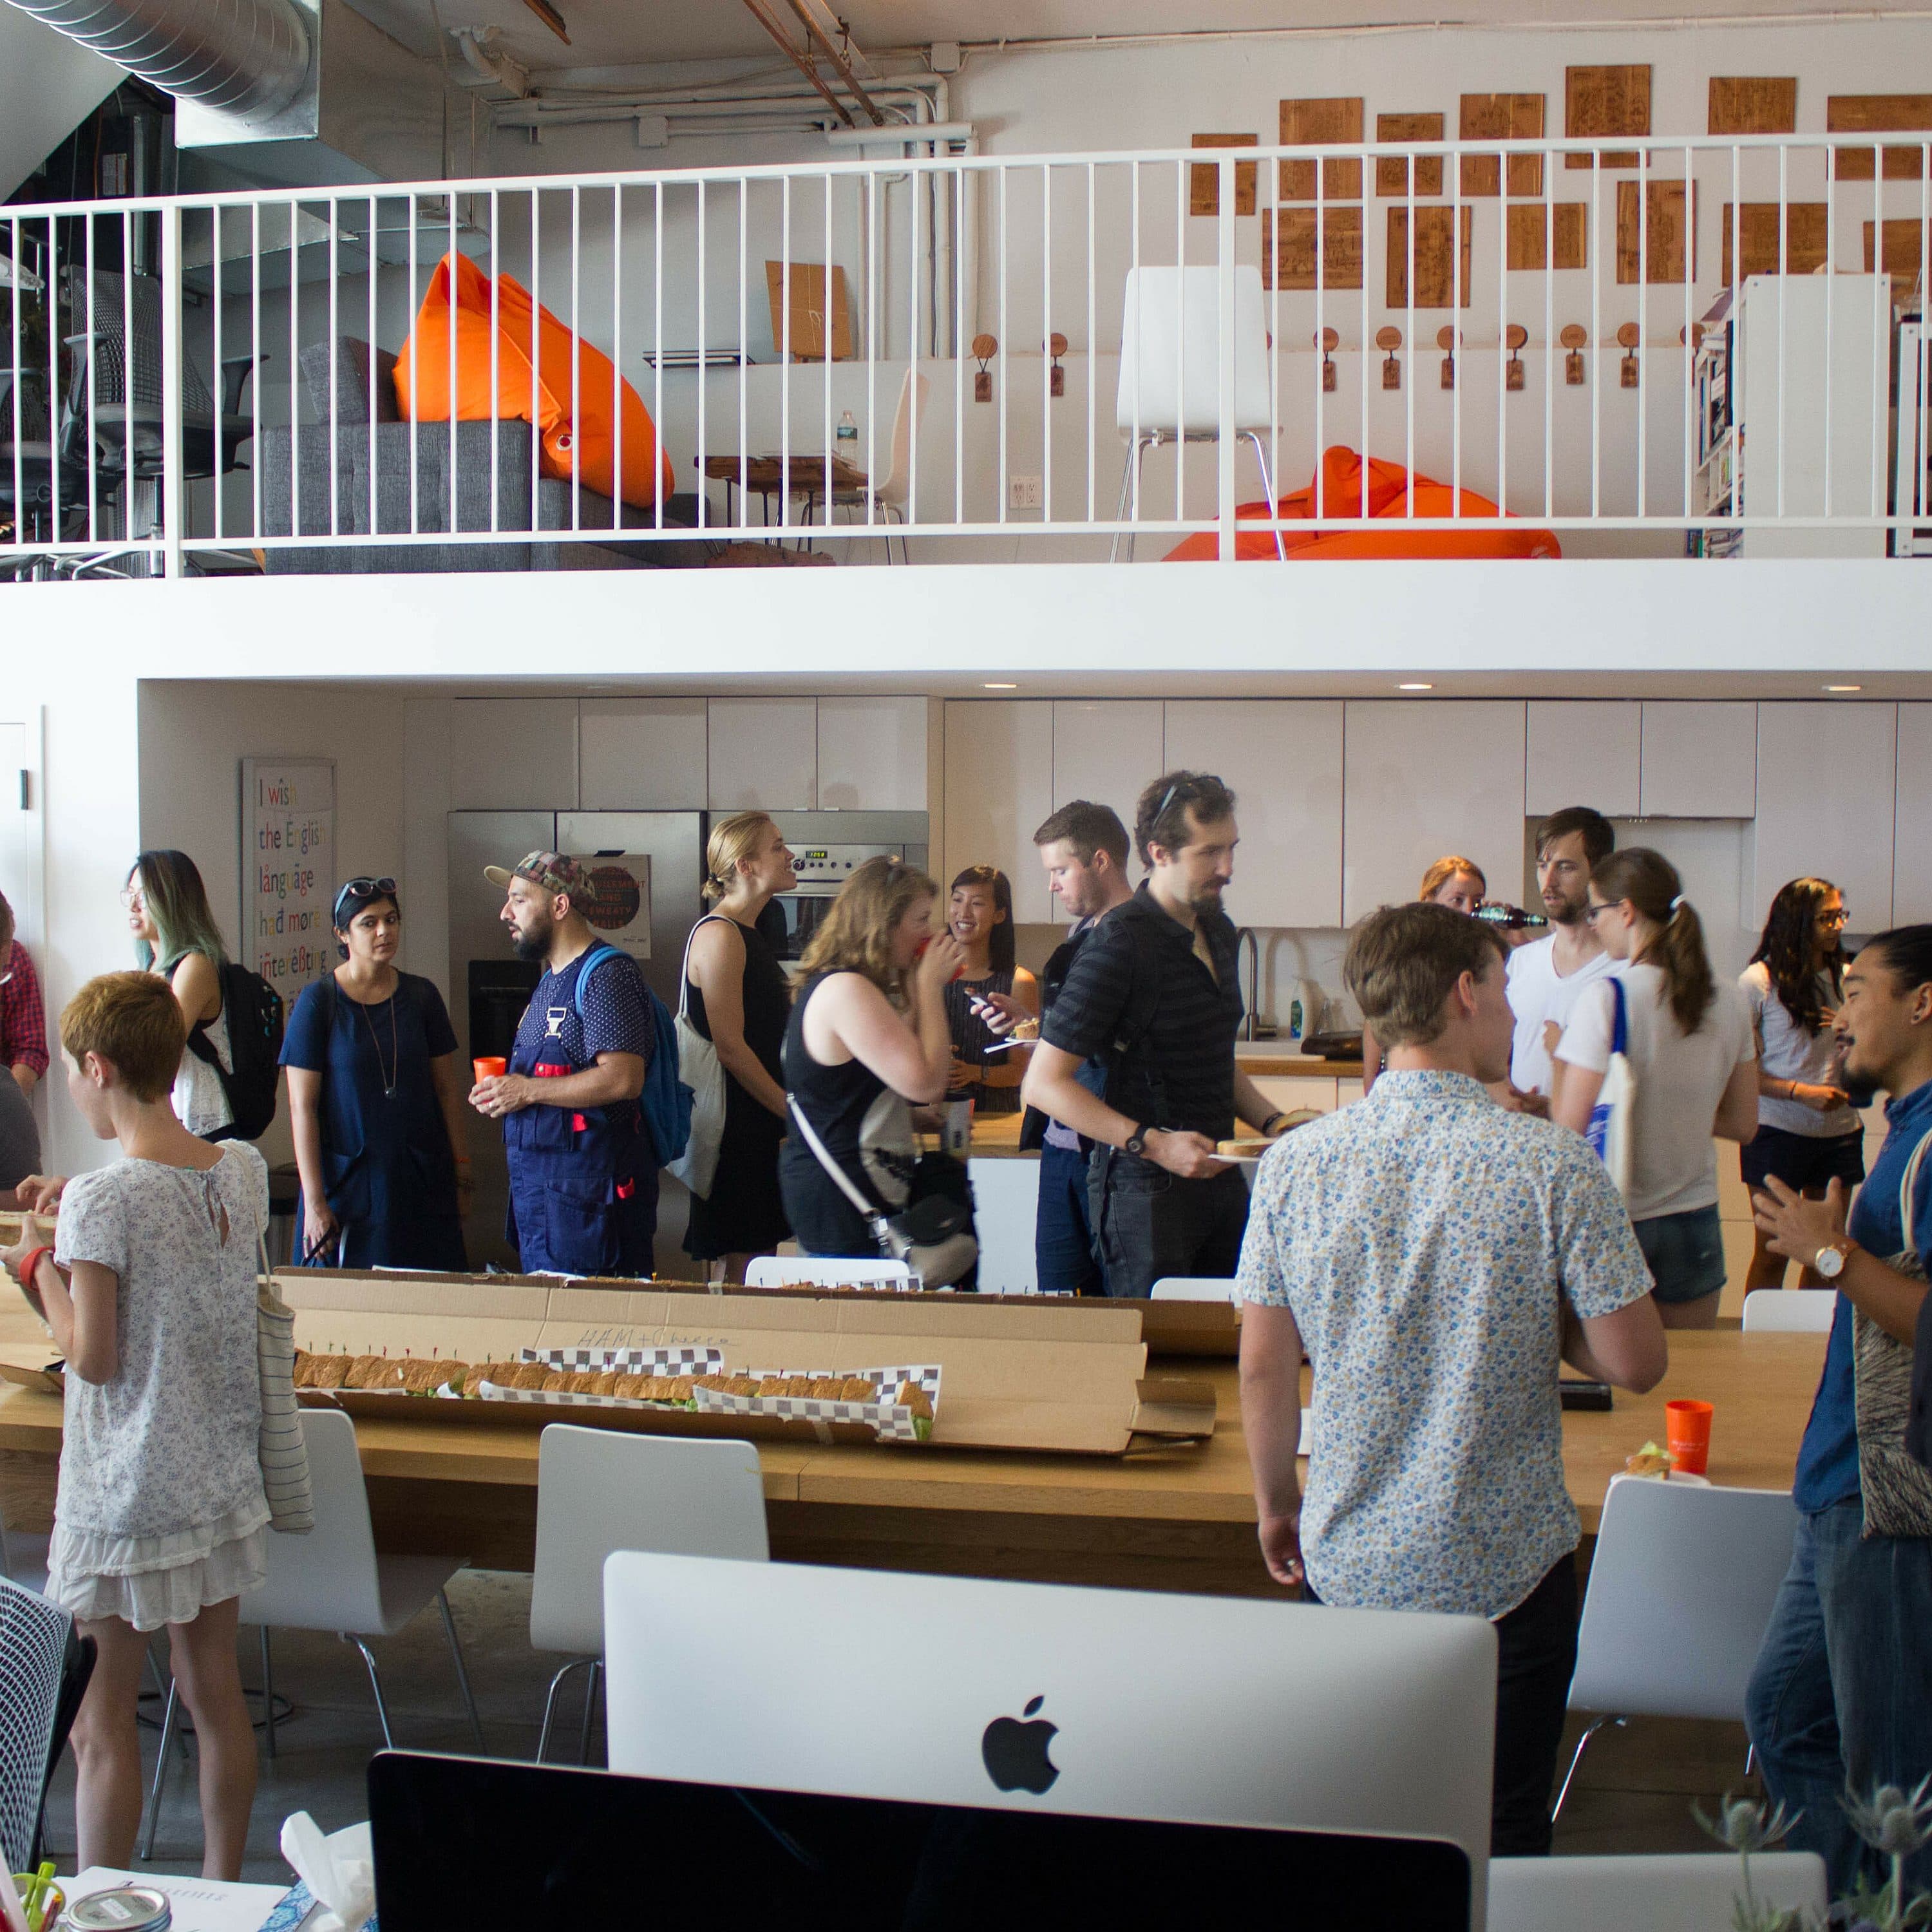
(362, 889)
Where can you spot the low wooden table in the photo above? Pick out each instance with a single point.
(800, 474)
(1173, 1517)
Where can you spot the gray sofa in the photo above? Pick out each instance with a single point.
(295, 486)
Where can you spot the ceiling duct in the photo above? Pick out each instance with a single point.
(249, 59)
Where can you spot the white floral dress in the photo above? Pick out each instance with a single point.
(160, 1511)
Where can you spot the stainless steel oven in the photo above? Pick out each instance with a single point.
(828, 848)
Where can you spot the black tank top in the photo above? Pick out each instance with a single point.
(864, 1126)
(765, 1000)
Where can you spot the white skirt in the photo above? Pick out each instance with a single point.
(149, 1581)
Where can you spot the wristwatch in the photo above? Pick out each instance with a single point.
(1136, 1143)
(1267, 1125)
(1829, 1261)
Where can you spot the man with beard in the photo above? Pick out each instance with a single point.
(583, 1181)
(1546, 977)
(1154, 994)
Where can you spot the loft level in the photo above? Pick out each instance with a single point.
(1709, 346)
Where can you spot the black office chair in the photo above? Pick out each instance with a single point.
(26, 476)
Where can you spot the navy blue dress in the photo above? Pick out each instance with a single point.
(386, 1160)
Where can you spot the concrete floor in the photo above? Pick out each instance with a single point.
(1634, 1793)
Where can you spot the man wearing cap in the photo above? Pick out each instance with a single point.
(584, 1182)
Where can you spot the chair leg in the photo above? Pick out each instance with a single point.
(1750, 1758)
(462, 1674)
(1129, 480)
(161, 1771)
(376, 1685)
(550, 1701)
(1267, 488)
(589, 1708)
(268, 1695)
(1590, 1730)
(161, 1692)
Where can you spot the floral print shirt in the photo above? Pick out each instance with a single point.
(1425, 1239)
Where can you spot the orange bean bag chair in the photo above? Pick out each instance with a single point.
(1351, 486)
(586, 431)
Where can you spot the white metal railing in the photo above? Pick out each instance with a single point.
(181, 386)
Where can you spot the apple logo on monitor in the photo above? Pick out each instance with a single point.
(1015, 1751)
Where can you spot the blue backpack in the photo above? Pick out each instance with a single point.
(666, 1100)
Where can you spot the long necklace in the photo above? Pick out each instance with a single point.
(395, 1049)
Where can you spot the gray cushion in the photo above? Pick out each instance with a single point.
(347, 360)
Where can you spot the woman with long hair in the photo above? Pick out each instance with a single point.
(980, 915)
(738, 999)
(1808, 1131)
(1690, 1045)
(175, 935)
(1453, 881)
(867, 1042)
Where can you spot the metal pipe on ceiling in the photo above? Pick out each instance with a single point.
(246, 58)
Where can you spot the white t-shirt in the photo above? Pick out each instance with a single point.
(1680, 1081)
(1790, 1053)
(1537, 994)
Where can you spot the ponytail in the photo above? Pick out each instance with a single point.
(1649, 881)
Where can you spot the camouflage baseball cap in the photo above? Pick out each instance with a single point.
(551, 870)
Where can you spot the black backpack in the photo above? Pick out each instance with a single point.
(255, 1012)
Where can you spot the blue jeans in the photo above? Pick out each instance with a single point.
(1842, 1692)
(1063, 1240)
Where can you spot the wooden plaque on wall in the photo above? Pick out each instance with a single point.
(1441, 270)
(1203, 181)
(1567, 228)
(1341, 230)
(1652, 233)
(1748, 104)
(1877, 114)
(1903, 244)
(1306, 123)
(1806, 229)
(1392, 170)
(1502, 117)
(1601, 100)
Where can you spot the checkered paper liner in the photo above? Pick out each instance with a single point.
(602, 1361)
(886, 1417)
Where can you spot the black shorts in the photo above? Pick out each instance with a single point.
(1803, 1161)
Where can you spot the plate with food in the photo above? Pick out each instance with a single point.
(1652, 1464)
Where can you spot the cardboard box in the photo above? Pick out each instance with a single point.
(808, 311)
(1051, 1377)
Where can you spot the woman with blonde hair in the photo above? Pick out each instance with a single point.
(867, 1041)
(1690, 1045)
(737, 997)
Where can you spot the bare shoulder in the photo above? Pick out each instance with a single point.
(717, 943)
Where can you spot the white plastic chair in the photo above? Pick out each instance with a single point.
(1170, 386)
(333, 1579)
(891, 498)
(599, 1491)
(1789, 1311)
(822, 1271)
(1687, 1891)
(1194, 1288)
(1681, 1591)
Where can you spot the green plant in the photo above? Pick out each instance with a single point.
(1744, 1825)
(1895, 1824)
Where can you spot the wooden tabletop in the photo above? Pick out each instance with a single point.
(1170, 1515)
(765, 475)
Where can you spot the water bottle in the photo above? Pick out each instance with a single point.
(848, 440)
(1294, 1019)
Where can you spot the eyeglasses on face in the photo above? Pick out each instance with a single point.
(131, 896)
(1836, 921)
(1596, 907)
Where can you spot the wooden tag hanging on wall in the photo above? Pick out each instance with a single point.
(1652, 232)
(1763, 104)
(1599, 101)
(1341, 231)
(1877, 114)
(1502, 117)
(1392, 170)
(1807, 224)
(1204, 179)
(1307, 124)
(1441, 270)
(1527, 234)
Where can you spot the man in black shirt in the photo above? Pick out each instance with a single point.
(1155, 995)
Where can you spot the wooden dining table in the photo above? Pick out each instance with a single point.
(1170, 1515)
(800, 474)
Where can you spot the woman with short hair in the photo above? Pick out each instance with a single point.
(376, 1097)
(175, 936)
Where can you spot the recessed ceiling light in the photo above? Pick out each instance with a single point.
(1415, 687)
(1000, 687)
(1844, 687)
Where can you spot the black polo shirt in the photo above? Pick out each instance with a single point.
(1138, 980)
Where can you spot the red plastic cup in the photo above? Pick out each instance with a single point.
(490, 1069)
(1687, 1427)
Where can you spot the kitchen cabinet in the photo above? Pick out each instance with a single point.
(1826, 793)
(1282, 756)
(871, 754)
(1911, 864)
(998, 787)
(513, 754)
(1423, 778)
(644, 754)
(1583, 751)
(763, 754)
(1107, 750)
(1700, 760)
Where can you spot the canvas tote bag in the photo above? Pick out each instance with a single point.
(1611, 1119)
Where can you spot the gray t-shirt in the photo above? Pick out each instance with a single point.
(19, 1137)
(1790, 1053)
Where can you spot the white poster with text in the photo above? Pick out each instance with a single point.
(288, 869)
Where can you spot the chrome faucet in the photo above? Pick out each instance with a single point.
(1246, 936)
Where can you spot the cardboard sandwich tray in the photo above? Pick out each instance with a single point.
(1049, 1378)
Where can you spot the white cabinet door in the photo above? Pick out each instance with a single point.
(999, 786)
(1108, 750)
(514, 755)
(764, 754)
(1826, 793)
(644, 754)
(1700, 760)
(1422, 779)
(1283, 758)
(1911, 864)
(1583, 752)
(871, 754)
